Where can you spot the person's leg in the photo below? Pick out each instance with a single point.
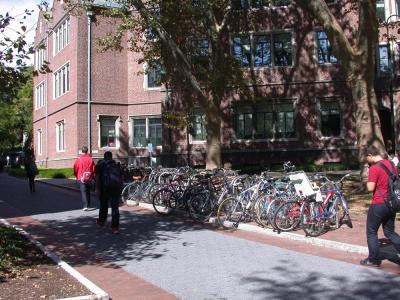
(103, 210)
(31, 180)
(388, 230)
(87, 191)
(33, 183)
(115, 210)
(82, 187)
(374, 220)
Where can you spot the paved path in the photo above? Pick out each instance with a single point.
(167, 258)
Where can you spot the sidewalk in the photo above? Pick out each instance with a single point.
(346, 239)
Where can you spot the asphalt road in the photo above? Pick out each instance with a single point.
(194, 262)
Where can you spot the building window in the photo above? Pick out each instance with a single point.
(265, 121)
(61, 81)
(147, 130)
(383, 60)
(198, 130)
(108, 136)
(266, 50)
(282, 49)
(241, 50)
(200, 48)
(61, 36)
(245, 4)
(262, 50)
(40, 95)
(153, 75)
(39, 142)
(380, 10)
(330, 118)
(324, 49)
(39, 57)
(60, 136)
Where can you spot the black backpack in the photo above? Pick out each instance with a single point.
(393, 196)
(111, 176)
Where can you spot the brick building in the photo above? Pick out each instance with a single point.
(303, 112)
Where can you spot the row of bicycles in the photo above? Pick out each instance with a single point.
(288, 202)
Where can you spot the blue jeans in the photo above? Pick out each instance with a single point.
(379, 214)
(113, 198)
(85, 192)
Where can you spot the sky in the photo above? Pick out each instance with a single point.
(17, 7)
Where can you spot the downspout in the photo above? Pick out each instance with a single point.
(89, 14)
(47, 102)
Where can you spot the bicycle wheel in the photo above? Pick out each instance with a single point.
(162, 201)
(271, 210)
(229, 213)
(261, 209)
(129, 190)
(342, 215)
(287, 216)
(199, 206)
(312, 219)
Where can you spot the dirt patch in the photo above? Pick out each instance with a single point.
(26, 273)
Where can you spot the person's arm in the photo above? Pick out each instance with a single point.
(76, 169)
(371, 186)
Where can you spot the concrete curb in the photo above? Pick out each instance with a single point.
(99, 294)
(291, 236)
(252, 228)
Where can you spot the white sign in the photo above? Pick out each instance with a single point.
(305, 188)
(150, 147)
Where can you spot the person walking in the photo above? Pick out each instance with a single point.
(31, 172)
(108, 186)
(84, 169)
(378, 212)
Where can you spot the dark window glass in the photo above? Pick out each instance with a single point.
(198, 126)
(244, 123)
(139, 133)
(280, 2)
(240, 4)
(383, 60)
(262, 50)
(380, 10)
(282, 49)
(324, 49)
(107, 132)
(284, 127)
(200, 48)
(155, 131)
(264, 122)
(153, 75)
(330, 118)
(241, 50)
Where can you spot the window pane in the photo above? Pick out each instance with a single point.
(241, 50)
(153, 75)
(107, 132)
(282, 49)
(383, 63)
(155, 131)
(280, 2)
(324, 49)
(284, 121)
(262, 50)
(240, 4)
(330, 118)
(380, 10)
(139, 133)
(198, 126)
(200, 48)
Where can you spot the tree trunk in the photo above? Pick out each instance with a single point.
(367, 121)
(213, 128)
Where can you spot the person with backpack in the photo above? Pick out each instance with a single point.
(84, 172)
(109, 186)
(383, 181)
(31, 171)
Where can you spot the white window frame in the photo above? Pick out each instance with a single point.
(39, 141)
(59, 125)
(40, 57)
(40, 95)
(191, 139)
(390, 60)
(57, 84)
(131, 131)
(61, 35)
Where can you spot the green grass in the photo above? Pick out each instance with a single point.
(43, 173)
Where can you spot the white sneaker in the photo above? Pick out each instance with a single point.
(85, 209)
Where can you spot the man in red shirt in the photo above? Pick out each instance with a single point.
(378, 213)
(84, 173)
